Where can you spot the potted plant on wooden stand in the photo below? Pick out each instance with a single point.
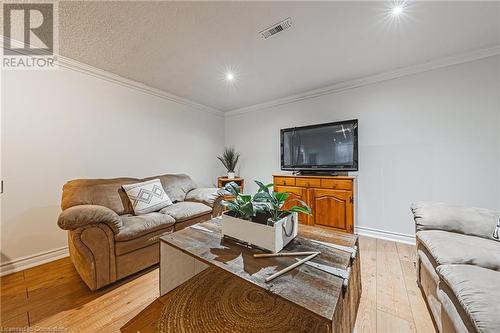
(229, 159)
(260, 220)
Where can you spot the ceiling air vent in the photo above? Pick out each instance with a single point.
(276, 28)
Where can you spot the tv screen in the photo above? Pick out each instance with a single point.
(324, 147)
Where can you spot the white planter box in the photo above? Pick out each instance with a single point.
(272, 238)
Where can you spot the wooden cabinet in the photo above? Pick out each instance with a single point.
(284, 181)
(295, 193)
(308, 182)
(330, 197)
(332, 208)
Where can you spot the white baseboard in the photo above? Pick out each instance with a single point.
(33, 260)
(387, 235)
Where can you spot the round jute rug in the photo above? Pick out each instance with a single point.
(216, 301)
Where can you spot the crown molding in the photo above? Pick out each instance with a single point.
(75, 65)
(83, 68)
(110, 77)
(385, 76)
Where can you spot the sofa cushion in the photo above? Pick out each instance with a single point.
(176, 186)
(147, 197)
(477, 291)
(137, 226)
(206, 196)
(452, 248)
(103, 192)
(473, 221)
(186, 210)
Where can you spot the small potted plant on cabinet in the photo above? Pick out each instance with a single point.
(229, 159)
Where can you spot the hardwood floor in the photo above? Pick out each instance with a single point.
(391, 300)
(52, 295)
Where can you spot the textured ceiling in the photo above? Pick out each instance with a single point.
(184, 48)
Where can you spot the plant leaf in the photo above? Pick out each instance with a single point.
(231, 206)
(246, 198)
(302, 203)
(247, 210)
(222, 161)
(262, 187)
(281, 196)
(235, 162)
(300, 209)
(261, 207)
(230, 188)
(261, 197)
(229, 159)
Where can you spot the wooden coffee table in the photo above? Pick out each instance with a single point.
(185, 253)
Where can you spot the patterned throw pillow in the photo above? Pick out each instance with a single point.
(147, 197)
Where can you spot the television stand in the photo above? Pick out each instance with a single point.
(332, 198)
(320, 173)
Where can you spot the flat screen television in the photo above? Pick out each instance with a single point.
(330, 147)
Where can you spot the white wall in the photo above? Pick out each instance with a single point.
(428, 136)
(63, 124)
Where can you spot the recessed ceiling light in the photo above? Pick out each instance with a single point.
(397, 10)
(229, 76)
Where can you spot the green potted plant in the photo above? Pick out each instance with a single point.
(229, 159)
(241, 205)
(260, 220)
(271, 202)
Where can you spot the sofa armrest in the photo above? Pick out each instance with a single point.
(473, 221)
(79, 216)
(207, 196)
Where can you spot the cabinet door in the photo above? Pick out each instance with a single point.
(295, 193)
(332, 208)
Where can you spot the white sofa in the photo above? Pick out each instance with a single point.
(458, 266)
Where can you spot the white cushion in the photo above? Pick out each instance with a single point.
(185, 210)
(477, 290)
(452, 248)
(147, 197)
(471, 221)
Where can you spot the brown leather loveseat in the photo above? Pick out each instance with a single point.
(107, 242)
